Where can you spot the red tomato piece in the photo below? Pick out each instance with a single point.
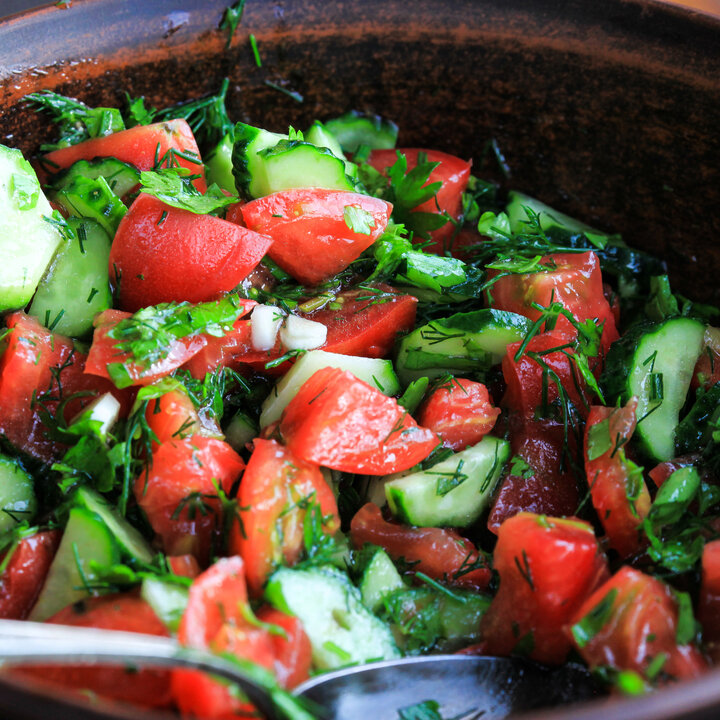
(630, 620)
(103, 352)
(440, 553)
(573, 279)
(545, 484)
(368, 321)
(273, 497)
(38, 369)
(129, 613)
(163, 254)
(460, 412)
(548, 567)
(452, 172)
(709, 603)
(617, 487)
(707, 368)
(293, 653)
(142, 146)
(526, 377)
(172, 416)
(317, 233)
(179, 492)
(214, 619)
(25, 572)
(340, 422)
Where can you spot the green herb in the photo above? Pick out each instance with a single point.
(426, 710)
(688, 629)
(414, 393)
(174, 187)
(585, 630)
(524, 569)
(255, 51)
(599, 441)
(231, 19)
(296, 96)
(520, 468)
(447, 481)
(358, 220)
(137, 113)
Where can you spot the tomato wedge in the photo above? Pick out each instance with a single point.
(317, 233)
(617, 487)
(103, 352)
(25, 572)
(38, 369)
(178, 493)
(276, 492)
(460, 412)
(143, 146)
(630, 623)
(440, 553)
(452, 172)
(163, 254)
(340, 422)
(548, 567)
(147, 688)
(709, 603)
(172, 416)
(540, 478)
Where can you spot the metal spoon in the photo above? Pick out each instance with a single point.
(466, 687)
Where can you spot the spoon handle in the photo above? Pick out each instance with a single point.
(23, 642)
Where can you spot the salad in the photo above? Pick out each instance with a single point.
(313, 400)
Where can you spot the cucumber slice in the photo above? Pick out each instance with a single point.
(655, 362)
(453, 492)
(219, 165)
(76, 286)
(131, 543)
(355, 129)
(427, 619)
(472, 341)
(86, 539)
(248, 167)
(167, 599)
(27, 240)
(265, 162)
(341, 629)
(240, 431)
(319, 136)
(17, 494)
(374, 371)
(120, 176)
(379, 579)
(92, 198)
(548, 217)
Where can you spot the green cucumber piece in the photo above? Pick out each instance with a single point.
(28, 241)
(86, 540)
(453, 492)
(121, 177)
(76, 286)
(248, 167)
(341, 629)
(167, 599)
(472, 341)
(92, 198)
(425, 619)
(265, 162)
(131, 543)
(379, 579)
(548, 217)
(655, 362)
(319, 136)
(17, 494)
(219, 165)
(374, 371)
(355, 129)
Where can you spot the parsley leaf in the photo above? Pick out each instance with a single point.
(174, 187)
(426, 710)
(520, 468)
(137, 113)
(358, 220)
